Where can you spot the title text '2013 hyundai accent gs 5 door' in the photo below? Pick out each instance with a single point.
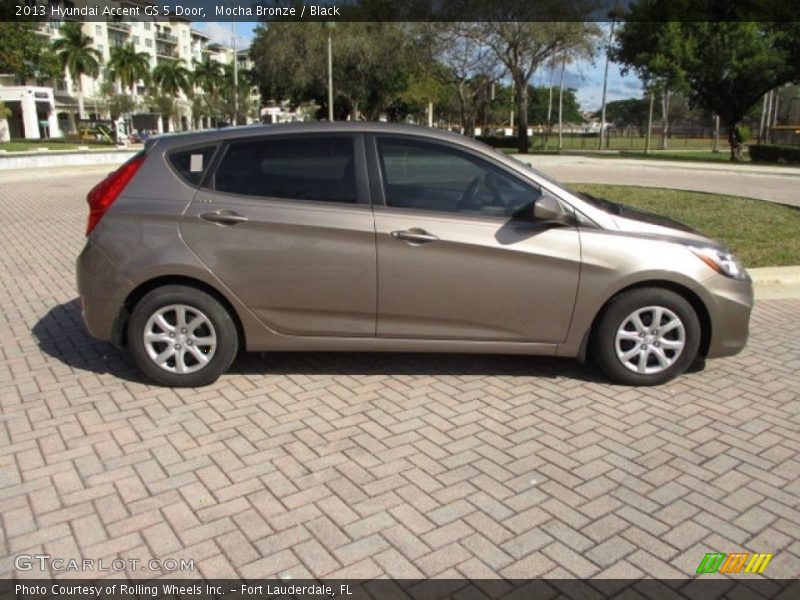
(368, 236)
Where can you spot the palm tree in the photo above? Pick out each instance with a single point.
(77, 56)
(129, 66)
(208, 76)
(172, 78)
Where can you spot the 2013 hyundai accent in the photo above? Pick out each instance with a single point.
(377, 237)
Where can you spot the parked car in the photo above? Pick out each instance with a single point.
(377, 237)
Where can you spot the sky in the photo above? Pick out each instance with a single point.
(584, 76)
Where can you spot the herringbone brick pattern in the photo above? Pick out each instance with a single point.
(377, 465)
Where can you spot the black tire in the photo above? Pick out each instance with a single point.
(215, 324)
(615, 315)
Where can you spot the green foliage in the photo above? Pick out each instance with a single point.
(74, 50)
(129, 66)
(631, 112)
(539, 99)
(22, 50)
(371, 64)
(172, 78)
(726, 66)
(5, 112)
(766, 153)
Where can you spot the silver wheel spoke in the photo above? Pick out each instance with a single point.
(181, 343)
(180, 361)
(637, 322)
(671, 344)
(157, 337)
(161, 359)
(624, 334)
(207, 340)
(162, 323)
(670, 326)
(658, 314)
(629, 354)
(201, 358)
(662, 358)
(642, 365)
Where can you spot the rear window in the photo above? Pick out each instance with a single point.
(318, 168)
(193, 163)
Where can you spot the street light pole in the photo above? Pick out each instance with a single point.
(330, 72)
(235, 74)
(613, 16)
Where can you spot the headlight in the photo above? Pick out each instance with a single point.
(721, 262)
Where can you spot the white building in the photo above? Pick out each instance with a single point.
(46, 108)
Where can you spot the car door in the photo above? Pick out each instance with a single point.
(285, 223)
(459, 254)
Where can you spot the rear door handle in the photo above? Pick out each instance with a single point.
(224, 217)
(414, 236)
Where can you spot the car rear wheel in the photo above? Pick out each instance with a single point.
(182, 337)
(646, 336)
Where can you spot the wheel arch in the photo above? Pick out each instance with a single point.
(121, 323)
(686, 293)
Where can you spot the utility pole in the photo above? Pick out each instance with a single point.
(235, 72)
(613, 16)
(330, 25)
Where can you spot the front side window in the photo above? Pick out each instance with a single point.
(429, 176)
(318, 168)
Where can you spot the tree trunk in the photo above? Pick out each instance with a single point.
(561, 105)
(649, 123)
(81, 104)
(522, 114)
(736, 151)
(664, 119)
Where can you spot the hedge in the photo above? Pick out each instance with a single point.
(775, 154)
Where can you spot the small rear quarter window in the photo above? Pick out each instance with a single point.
(192, 164)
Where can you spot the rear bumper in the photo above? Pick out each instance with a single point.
(102, 292)
(729, 307)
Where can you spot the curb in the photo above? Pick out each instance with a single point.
(767, 276)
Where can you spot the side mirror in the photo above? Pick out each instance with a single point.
(547, 209)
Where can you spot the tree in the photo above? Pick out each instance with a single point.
(78, 57)
(456, 55)
(116, 104)
(371, 64)
(628, 113)
(172, 78)
(129, 66)
(208, 77)
(21, 51)
(726, 66)
(523, 46)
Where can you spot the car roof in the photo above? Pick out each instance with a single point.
(213, 135)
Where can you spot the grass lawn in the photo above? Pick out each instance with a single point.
(28, 145)
(762, 234)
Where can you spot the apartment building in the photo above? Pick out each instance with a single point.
(50, 108)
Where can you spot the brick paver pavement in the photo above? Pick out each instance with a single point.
(377, 465)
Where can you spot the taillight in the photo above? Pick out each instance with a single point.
(102, 196)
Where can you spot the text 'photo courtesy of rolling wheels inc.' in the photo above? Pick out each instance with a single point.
(374, 299)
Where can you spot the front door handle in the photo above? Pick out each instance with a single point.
(224, 217)
(414, 236)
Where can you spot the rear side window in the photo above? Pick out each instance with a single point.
(192, 164)
(319, 168)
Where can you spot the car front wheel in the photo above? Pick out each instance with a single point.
(182, 337)
(646, 336)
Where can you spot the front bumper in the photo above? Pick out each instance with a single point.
(729, 304)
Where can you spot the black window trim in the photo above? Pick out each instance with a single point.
(377, 190)
(359, 158)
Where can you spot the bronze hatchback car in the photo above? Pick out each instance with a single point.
(368, 236)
